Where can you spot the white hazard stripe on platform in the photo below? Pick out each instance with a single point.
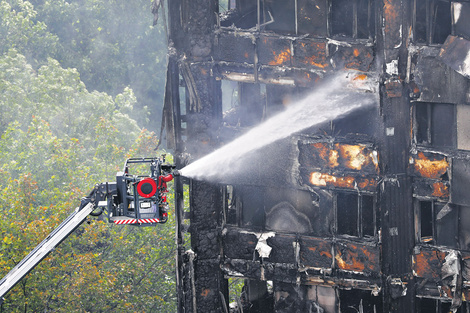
(149, 220)
(134, 221)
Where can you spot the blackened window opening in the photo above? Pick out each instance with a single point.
(355, 215)
(423, 121)
(439, 224)
(224, 5)
(352, 18)
(347, 213)
(341, 17)
(426, 214)
(436, 124)
(231, 211)
(249, 14)
(230, 95)
(290, 17)
(367, 214)
(243, 104)
(355, 300)
(282, 16)
(427, 305)
(432, 21)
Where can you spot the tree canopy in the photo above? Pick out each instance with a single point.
(80, 82)
(111, 43)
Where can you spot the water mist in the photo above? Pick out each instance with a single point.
(330, 100)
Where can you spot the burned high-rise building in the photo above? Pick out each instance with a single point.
(369, 212)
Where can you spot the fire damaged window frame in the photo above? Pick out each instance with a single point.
(225, 5)
(231, 210)
(289, 17)
(424, 135)
(357, 300)
(357, 20)
(440, 306)
(425, 224)
(360, 215)
(254, 17)
(243, 104)
(430, 22)
(447, 224)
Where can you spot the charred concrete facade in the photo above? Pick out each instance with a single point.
(369, 213)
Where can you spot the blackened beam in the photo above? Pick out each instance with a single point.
(301, 259)
(288, 273)
(266, 74)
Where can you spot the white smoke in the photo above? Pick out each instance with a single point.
(330, 100)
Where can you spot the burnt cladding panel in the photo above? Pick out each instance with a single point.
(283, 249)
(239, 245)
(437, 82)
(426, 188)
(427, 263)
(357, 257)
(358, 57)
(315, 252)
(310, 54)
(274, 51)
(232, 48)
(454, 53)
(431, 165)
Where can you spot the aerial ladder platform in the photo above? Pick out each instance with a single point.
(137, 200)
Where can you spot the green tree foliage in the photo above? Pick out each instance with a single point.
(101, 267)
(113, 44)
(58, 96)
(58, 139)
(19, 29)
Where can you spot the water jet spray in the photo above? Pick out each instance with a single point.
(336, 97)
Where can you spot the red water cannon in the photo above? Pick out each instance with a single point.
(140, 198)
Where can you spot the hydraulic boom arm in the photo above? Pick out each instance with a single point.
(137, 200)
